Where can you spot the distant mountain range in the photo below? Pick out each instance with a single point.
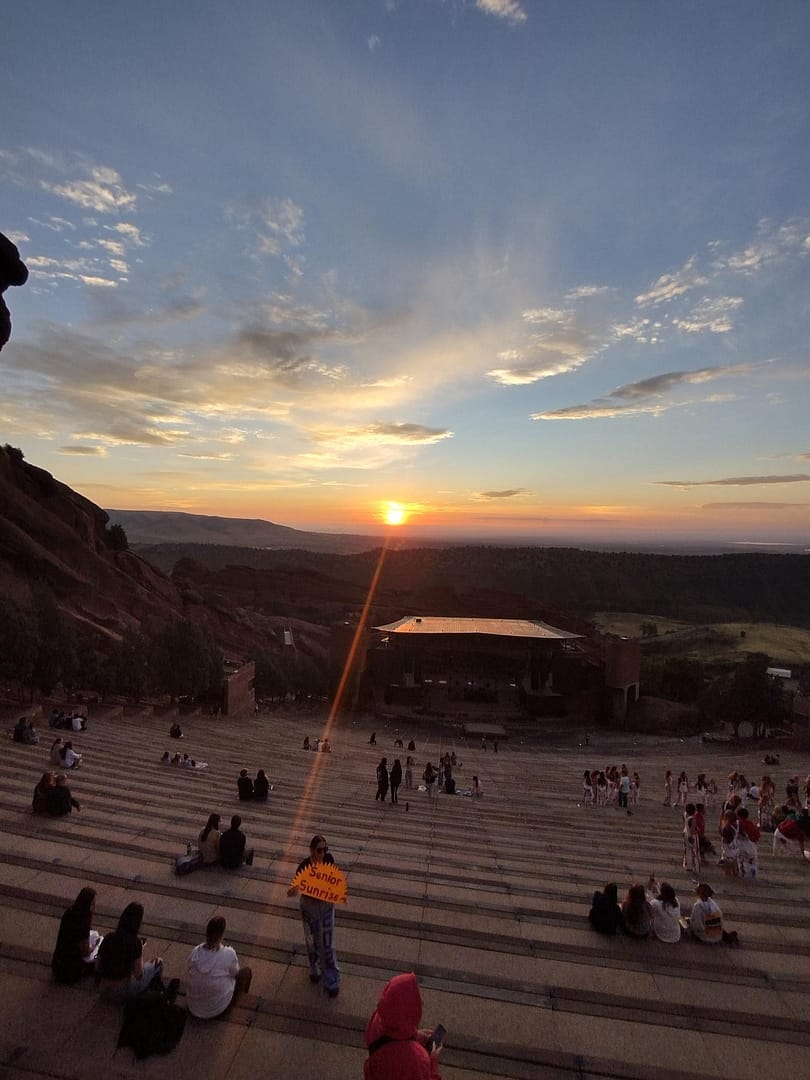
(172, 527)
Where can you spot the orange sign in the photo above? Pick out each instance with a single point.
(322, 881)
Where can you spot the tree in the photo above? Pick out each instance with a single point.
(128, 668)
(185, 660)
(18, 644)
(56, 659)
(116, 538)
(747, 695)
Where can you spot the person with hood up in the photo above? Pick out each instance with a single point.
(397, 1048)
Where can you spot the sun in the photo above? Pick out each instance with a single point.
(394, 513)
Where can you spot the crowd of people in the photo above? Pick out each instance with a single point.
(433, 777)
(70, 721)
(321, 746)
(215, 980)
(748, 810)
(184, 761)
(611, 786)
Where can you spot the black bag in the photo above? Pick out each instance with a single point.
(151, 1025)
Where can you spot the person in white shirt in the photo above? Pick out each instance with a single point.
(706, 920)
(214, 977)
(666, 911)
(70, 759)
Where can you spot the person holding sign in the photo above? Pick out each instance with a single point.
(320, 885)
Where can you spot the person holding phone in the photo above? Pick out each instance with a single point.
(397, 1048)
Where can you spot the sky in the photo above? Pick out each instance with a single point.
(522, 268)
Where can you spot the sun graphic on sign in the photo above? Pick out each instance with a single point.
(394, 513)
(322, 881)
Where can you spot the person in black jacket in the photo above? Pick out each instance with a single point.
(382, 780)
(58, 800)
(245, 786)
(232, 844)
(77, 943)
(261, 786)
(605, 915)
(396, 780)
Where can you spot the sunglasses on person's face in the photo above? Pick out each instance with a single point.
(322, 849)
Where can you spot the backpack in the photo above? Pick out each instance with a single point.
(151, 1025)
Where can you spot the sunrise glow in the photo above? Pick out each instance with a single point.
(394, 514)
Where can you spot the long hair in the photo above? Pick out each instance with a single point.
(635, 903)
(131, 919)
(667, 895)
(84, 901)
(212, 823)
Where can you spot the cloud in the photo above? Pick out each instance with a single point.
(373, 41)
(773, 243)
(583, 292)
(507, 493)
(559, 346)
(275, 224)
(386, 433)
(756, 507)
(128, 230)
(713, 314)
(644, 396)
(668, 286)
(544, 316)
(88, 451)
(737, 481)
(510, 10)
(102, 191)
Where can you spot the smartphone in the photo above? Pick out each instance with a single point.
(437, 1037)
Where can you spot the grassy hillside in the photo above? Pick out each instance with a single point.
(712, 642)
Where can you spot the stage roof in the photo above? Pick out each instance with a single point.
(511, 628)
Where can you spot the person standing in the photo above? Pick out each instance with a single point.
(668, 788)
(747, 840)
(683, 789)
(431, 778)
(624, 787)
(232, 845)
(215, 979)
(382, 780)
(409, 773)
(318, 918)
(396, 780)
(691, 841)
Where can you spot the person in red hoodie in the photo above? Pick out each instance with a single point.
(397, 1048)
